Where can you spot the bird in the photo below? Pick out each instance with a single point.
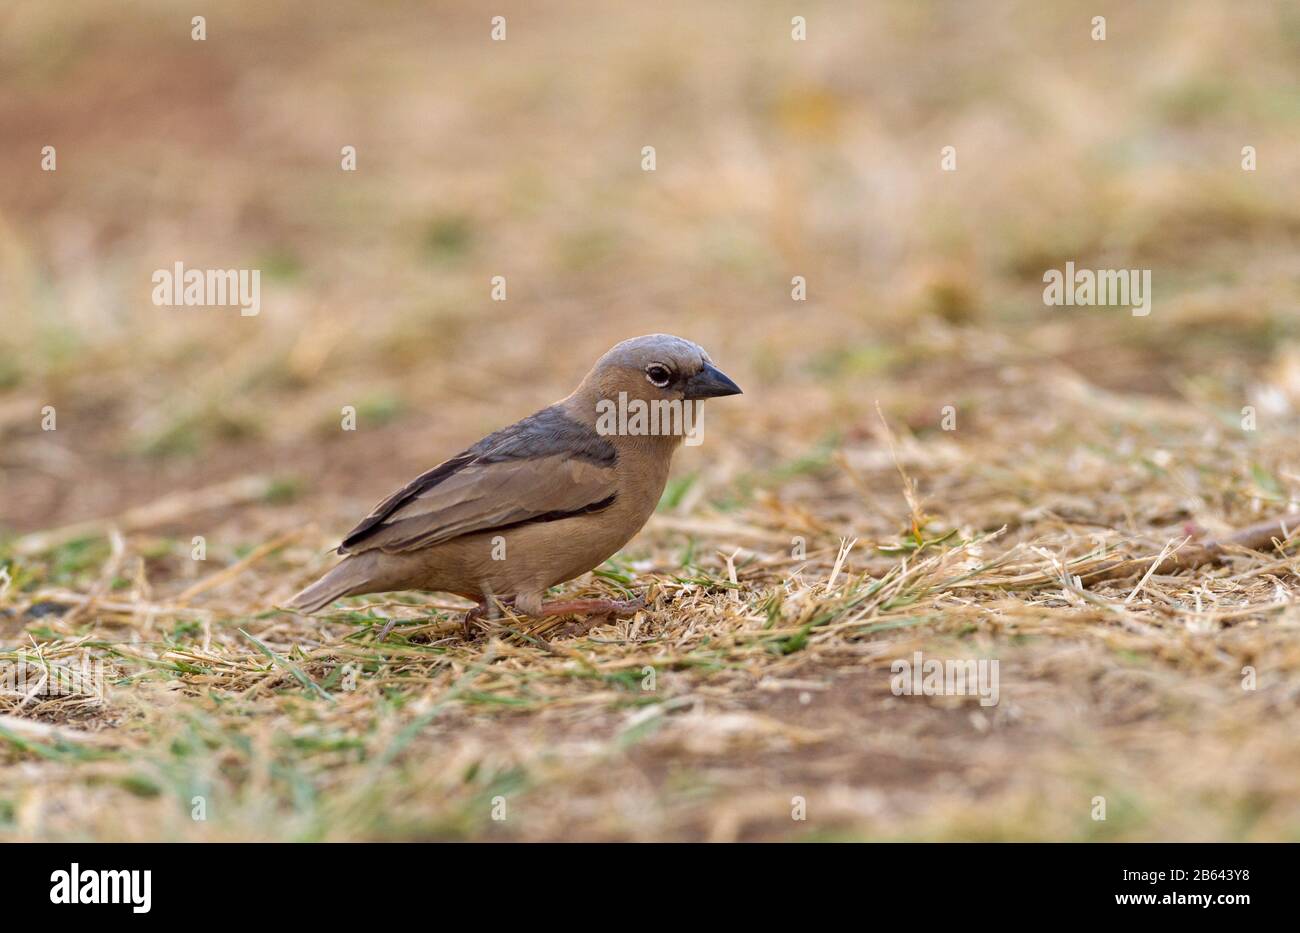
(542, 501)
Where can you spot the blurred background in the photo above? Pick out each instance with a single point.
(774, 159)
(522, 158)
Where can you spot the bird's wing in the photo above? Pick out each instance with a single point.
(543, 468)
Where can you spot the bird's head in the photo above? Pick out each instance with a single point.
(651, 386)
(659, 367)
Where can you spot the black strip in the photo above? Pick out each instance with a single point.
(555, 516)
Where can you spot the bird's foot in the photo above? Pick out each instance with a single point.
(618, 608)
(594, 611)
(468, 628)
(487, 609)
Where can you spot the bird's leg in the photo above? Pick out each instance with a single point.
(593, 607)
(532, 606)
(593, 611)
(472, 616)
(488, 607)
(476, 613)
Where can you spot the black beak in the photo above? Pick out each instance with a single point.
(710, 383)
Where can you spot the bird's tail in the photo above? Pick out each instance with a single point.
(351, 577)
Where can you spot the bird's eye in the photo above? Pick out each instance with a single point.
(658, 375)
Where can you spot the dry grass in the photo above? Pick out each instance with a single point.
(760, 669)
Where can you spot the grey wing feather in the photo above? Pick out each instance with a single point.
(546, 466)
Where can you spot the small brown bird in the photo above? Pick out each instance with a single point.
(542, 501)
